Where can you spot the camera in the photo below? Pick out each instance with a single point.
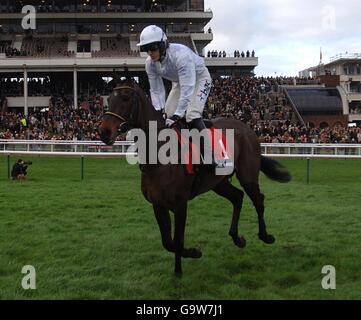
(28, 162)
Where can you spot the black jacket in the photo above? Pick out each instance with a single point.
(18, 168)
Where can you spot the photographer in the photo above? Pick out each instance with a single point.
(19, 170)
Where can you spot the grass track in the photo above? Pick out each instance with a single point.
(98, 239)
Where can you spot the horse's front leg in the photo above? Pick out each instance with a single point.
(180, 217)
(165, 226)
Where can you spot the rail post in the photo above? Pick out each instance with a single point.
(82, 167)
(308, 171)
(8, 157)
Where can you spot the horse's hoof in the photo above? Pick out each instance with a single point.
(191, 253)
(268, 238)
(240, 241)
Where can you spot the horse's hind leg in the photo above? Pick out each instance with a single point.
(230, 192)
(257, 198)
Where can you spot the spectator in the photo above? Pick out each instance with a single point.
(245, 98)
(19, 170)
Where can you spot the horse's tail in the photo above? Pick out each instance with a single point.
(274, 170)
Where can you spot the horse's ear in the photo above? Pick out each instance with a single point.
(116, 78)
(127, 74)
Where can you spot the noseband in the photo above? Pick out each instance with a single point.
(108, 113)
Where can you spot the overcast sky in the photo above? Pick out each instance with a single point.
(286, 34)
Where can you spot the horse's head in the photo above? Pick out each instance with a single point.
(123, 111)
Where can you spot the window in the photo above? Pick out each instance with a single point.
(83, 46)
(358, 69)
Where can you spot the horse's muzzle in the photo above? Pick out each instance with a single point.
(106, 136)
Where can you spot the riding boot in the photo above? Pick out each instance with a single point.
(205, 147)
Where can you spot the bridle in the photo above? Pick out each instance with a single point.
(108, 113)
(136, 109)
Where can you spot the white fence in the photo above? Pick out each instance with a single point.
(309, 150)
(120, 148)
(64, 148)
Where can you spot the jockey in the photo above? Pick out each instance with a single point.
(191, 81)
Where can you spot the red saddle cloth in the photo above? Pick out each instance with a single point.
(218, 141)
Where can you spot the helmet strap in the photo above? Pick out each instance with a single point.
(163, 46)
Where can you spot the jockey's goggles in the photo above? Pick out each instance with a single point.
(149, 47)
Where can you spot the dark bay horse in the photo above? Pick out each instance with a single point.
(169, 187)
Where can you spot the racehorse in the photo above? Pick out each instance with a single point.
(169, 187)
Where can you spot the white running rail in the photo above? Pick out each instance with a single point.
(120, 148)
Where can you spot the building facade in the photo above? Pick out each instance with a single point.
(76, 42)
(344, 73)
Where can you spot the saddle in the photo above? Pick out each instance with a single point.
(192, 150)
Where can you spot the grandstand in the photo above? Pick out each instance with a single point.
(342, 73)
(44, 47)
(67, 63)
(79, 43)
(317, 106)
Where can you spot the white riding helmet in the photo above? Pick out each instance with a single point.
(151, 34)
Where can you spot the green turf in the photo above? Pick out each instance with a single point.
(98, 238)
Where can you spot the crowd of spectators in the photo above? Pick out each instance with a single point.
(51, 47)
(216, 54)
(13, 52)
(255, 101)
(38, 53)
(59, 122)
(15, 87)
(108, 6)
(43, 86)
(259, 103)
(245, 98)
(236, 54)
(287, 132)
(114, 53)
(248, 54)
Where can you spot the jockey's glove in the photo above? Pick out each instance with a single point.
(171, 121)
